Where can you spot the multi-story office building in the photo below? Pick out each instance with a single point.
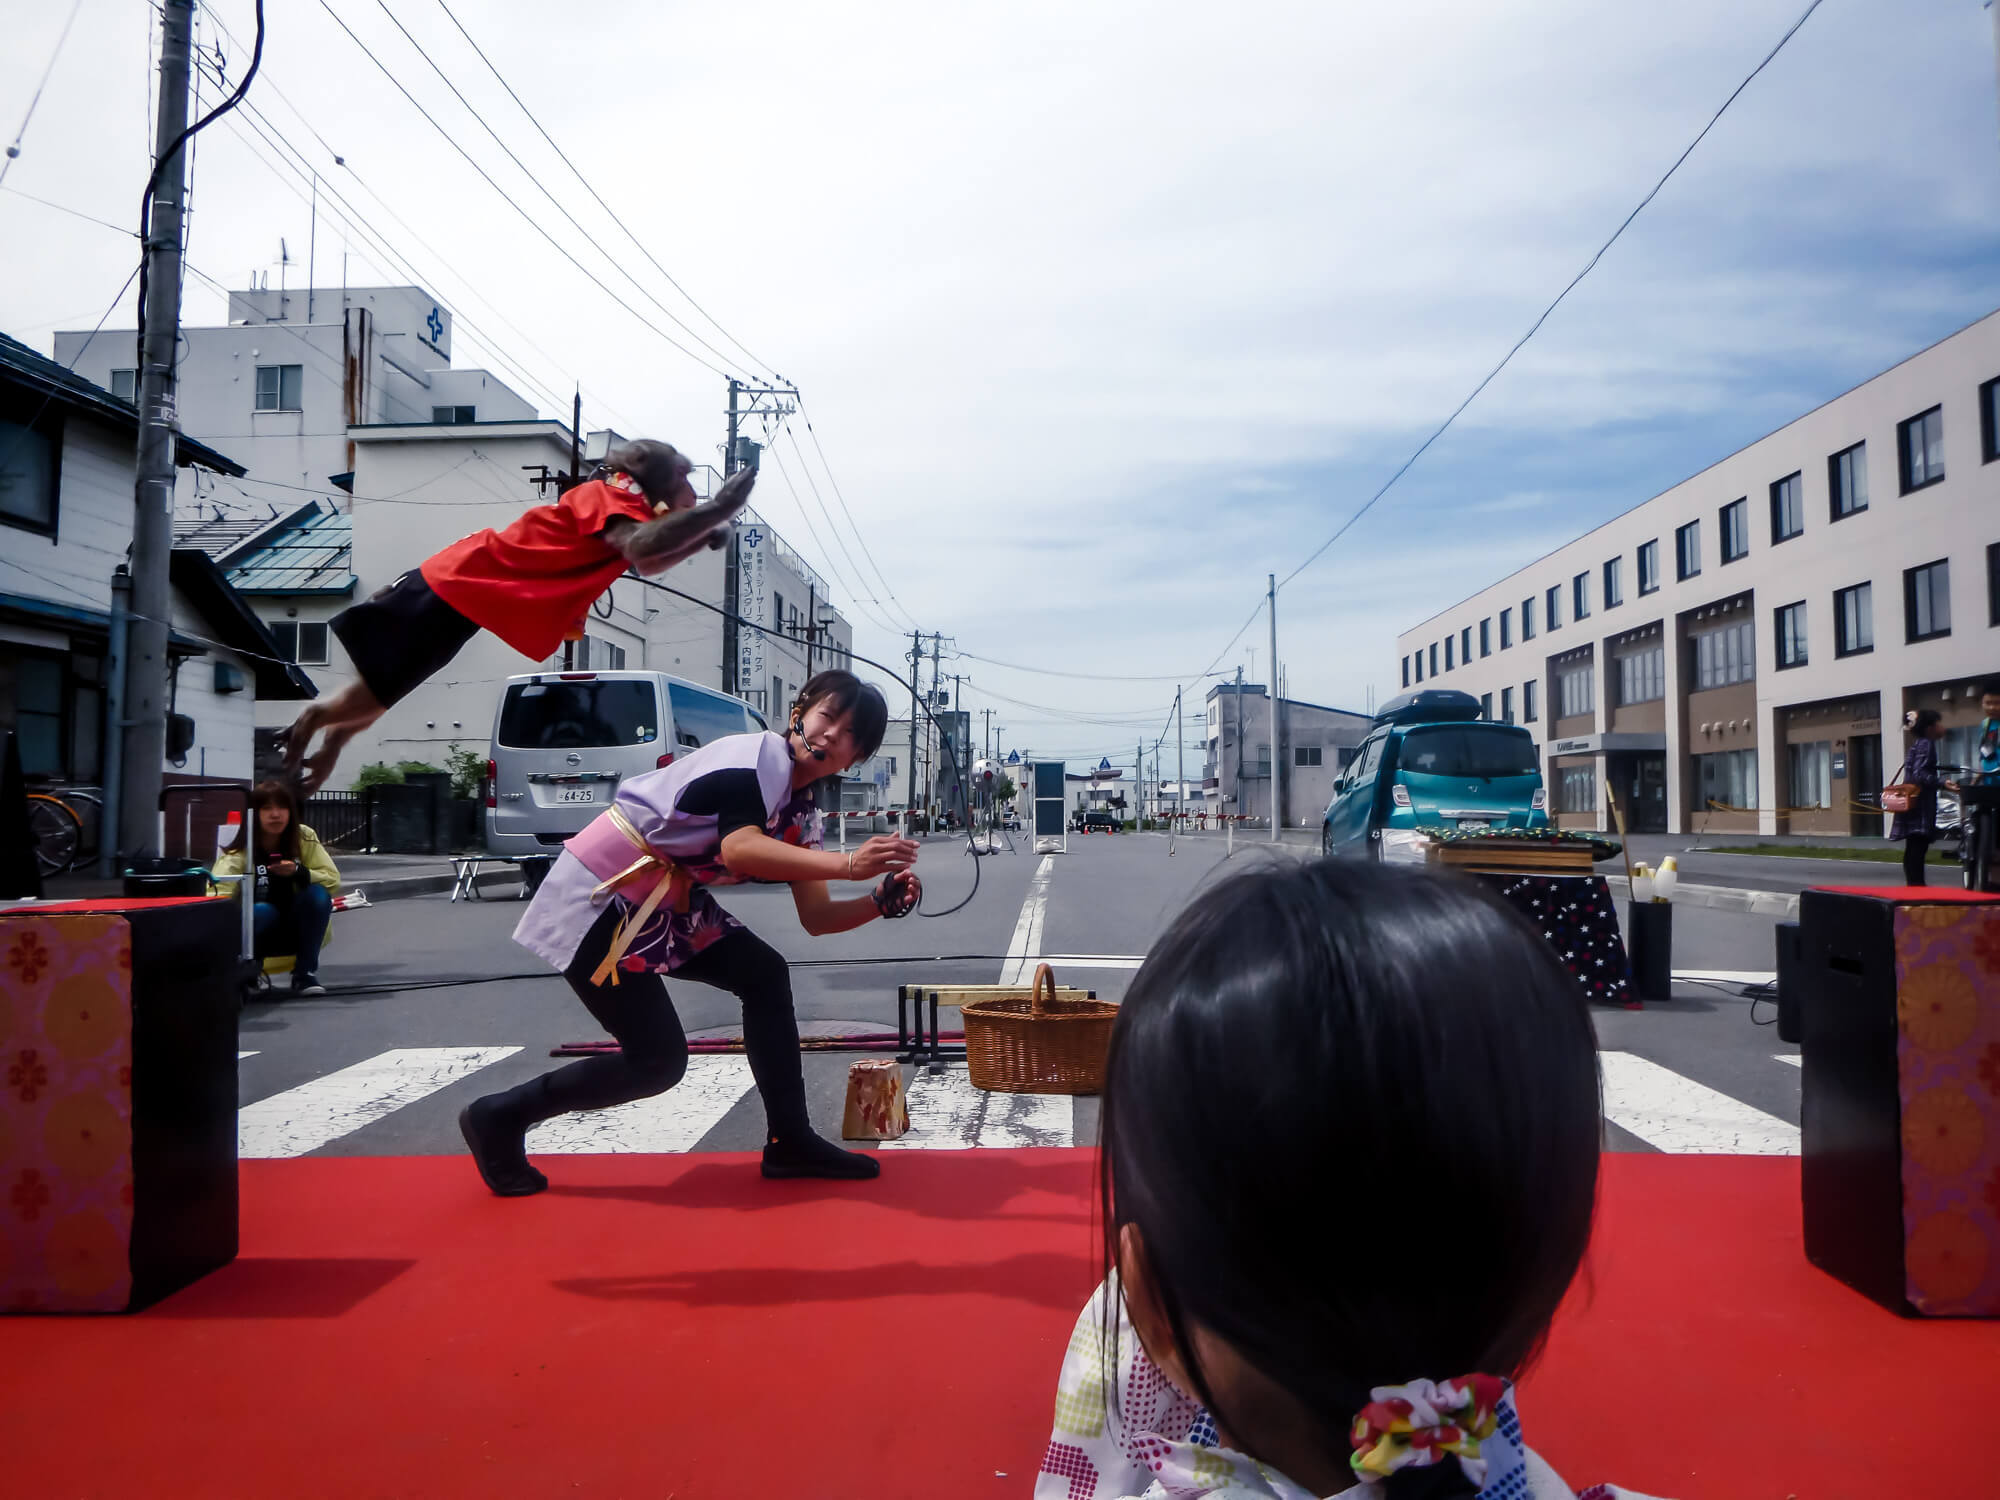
(1739, 652)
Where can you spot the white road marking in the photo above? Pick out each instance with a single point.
(1061, 961)
(241, 1055)
(948, 1114)
(1677, 1114)
(1024, 951)
(1789, 1057)
(305, 1118)
(666, 1123)
(1729, 976)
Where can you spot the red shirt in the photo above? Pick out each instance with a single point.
(533, 582)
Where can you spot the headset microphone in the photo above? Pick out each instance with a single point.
(799, 729)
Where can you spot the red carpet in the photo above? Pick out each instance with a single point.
(677, 1326)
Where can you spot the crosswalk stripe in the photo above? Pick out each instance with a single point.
(241, 1055)
(1023, 950)
(305, 1118)
(666, 1123)
(1795, 1059)
(1674, 1113)
(948, 1114)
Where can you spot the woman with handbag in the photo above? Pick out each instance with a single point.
(1913, 796)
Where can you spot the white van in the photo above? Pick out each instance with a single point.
(562, 741)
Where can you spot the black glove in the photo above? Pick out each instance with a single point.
(898, 894)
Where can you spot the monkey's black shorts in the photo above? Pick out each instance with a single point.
(400, 636)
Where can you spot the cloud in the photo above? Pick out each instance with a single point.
(1105, 313)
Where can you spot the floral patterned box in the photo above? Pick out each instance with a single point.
(117, 1101)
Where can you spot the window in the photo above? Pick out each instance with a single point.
(594, 654)
(1450, 645)
(1465, 646)
(1579, 602)
(1791, 635)
(1485, 705)
(1486, 636)
(1506, 705)
(1457, 750)
(1809, 770)
(1576, 788)
(578, 715)
(1406, 671)
(1642, 676)
(30, 472)
(280, 387)
(1529, 710)
(1306, 755)
(1736, 529)
(1927, 601)
(1420, 663)
(1649, 567)
(1854, 620)
(778, 610)
(1506, 628)
(452, 416)
(1727, 780)
(701, 716)
(1434, 658)
(302, 641)
(1788, 509)
(1993, 584)
(1989, 421)
(1847, 480)
(1614, 583)
(1527, 619)
(1576, 687)
(1687, 549)
(1920, 449)
(125, 385)
(778, 702)
(1726, 656)
(1552, 613)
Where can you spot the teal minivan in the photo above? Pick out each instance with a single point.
(1431, 761)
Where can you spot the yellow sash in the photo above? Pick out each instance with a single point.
(672, 882)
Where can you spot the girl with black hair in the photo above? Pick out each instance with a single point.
(1916, 824)
(293, 882)
(627, 901)
(1349, 1153)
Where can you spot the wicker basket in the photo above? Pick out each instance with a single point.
(1038, 1044)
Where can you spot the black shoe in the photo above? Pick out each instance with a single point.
(307, 984)
(810, 1156)
(500, 1152)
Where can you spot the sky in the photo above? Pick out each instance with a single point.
(1101, 314)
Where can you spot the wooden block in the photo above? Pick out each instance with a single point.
(956, 994)
(876, 1107)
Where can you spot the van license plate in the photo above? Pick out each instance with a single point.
(576, 794)
(1473, 823)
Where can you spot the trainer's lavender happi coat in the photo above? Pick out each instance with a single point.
(563, 909)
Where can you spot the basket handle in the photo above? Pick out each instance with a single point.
(1045, 981)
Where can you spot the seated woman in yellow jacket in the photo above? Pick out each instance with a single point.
(294, 885)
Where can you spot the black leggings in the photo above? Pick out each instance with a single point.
(653, 1048)
(1915, 847)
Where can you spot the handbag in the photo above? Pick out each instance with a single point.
(1895, 797)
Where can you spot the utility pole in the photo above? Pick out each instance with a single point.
(1277, 766)
(1180, 768)
(145, 723)
(1242, 800)
(988, 715)
(916, 658)
(933, 764)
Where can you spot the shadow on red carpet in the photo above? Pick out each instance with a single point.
(676, 1326)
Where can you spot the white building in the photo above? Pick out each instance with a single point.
(281, 384)
(1739, 651)
(1315, 743)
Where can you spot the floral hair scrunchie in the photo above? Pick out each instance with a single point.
(1416, 1425)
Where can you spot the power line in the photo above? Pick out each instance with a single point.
(880, 577)
(1535, 327)
(578, 173)
(860, 578)
(542, 188)
(1012, 666)
(813, 531)
(513, 203)
(14, 149)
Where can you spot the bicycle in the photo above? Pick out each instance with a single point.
(1979, 826)
(60, 829)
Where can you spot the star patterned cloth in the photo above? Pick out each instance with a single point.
(1152, 1442)
(1576, 917)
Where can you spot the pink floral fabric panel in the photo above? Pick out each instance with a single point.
(1948, 1075)
(65, 1113)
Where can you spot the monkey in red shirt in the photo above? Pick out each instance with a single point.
(530, 583)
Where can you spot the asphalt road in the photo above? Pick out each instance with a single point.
(382, 1065)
